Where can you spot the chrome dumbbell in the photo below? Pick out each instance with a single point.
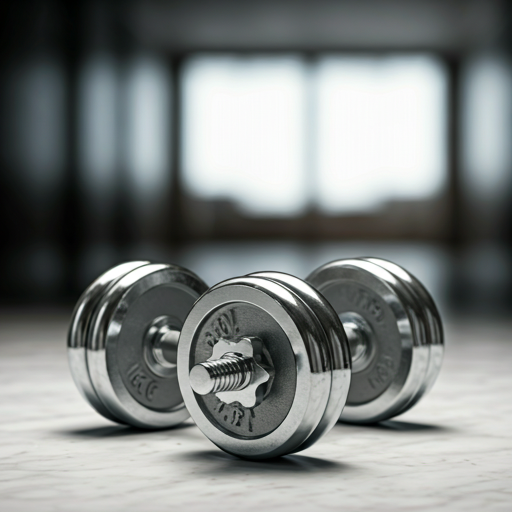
(394, 331)
(122, 342)
(264, 362)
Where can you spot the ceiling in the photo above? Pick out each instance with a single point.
(443, 25)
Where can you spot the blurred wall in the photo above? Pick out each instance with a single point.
(91, 132)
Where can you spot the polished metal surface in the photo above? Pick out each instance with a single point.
(361, 340)
(131, 329)
(431, 322)
(232, 373)
(311, 366)
(80, 330)
(337, 346)
(161, 345)
(392, 325)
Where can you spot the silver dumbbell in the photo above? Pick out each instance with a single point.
(122, 342)
(266, 355)
(264, 362)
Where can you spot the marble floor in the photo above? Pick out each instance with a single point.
(453, 451)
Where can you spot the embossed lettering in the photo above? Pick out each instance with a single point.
(224, 326)
(383, 372)
(236, 415)
(366, 302)
(143, 384)
(151, 389)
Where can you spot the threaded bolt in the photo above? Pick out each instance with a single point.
(232, 372)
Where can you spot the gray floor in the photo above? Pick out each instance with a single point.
(453, 451)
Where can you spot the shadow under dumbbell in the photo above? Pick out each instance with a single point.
(117, 431)
(400, 426)
(408, 426)
(223, 463)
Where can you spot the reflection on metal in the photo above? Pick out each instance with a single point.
(233, 373)
(117, 339)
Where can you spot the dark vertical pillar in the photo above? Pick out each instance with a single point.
(456, 232)
(177, 231)
(70, 14)
(30, 125)
(506, 43)
(456, 229)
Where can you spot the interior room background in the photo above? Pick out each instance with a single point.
(243, 136)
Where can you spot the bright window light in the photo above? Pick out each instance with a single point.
(349, 134)
(244, 130)
(487, 125)
(380, 131)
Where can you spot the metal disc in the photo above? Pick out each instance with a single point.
(434, 337)
(79, 331)
(129, 384)
(292, 334)
(415, 313)
(339, 352)
(397, 362)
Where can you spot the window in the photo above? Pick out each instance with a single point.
(381, 131)
(276, 134)
(245, 132)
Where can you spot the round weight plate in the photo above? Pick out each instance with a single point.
(80, 328)
(431, 318)
(415, 313)
(339, 352)
(123, 376)
(392, 374)
(292, 335)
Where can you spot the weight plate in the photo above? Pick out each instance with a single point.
(396, 362)
(255, 306)
(79, 331)
(415, 313)
(434, 338)
(339, 352)
(131, 385)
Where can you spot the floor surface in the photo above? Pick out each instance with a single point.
(453, 451)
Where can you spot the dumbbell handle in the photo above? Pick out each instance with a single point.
(161, 346)
(360, 339)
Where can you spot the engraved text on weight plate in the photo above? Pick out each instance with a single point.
(143, 384)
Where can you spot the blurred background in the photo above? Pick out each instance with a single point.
(233, 137)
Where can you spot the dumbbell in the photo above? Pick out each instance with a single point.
(264, 360)
(272, 367)
(122, 342)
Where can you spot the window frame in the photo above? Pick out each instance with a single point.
(435, 219)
